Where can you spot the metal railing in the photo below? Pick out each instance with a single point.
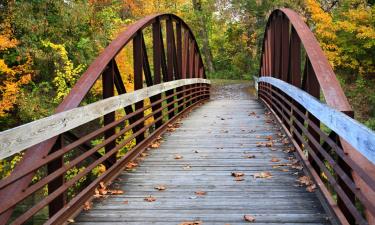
(61, 153)
(340, 160)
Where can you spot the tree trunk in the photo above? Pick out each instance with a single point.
(202, 31)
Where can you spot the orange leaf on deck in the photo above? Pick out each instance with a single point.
(178, 157)
(262, 175)
(191, 223)
(150, 199)
(160, 187)
(249, 218)
(238, 174)
(200, 193)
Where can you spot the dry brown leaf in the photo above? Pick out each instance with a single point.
(249, 218)
(262, 175)
(305, 180)
(160, 187)
(155, 145)
(125, 202)
(144, 154)
(284, 170)
(200, 193)
(311, 188)
(191, 223)
(237, 174)
(252, 114)
(275, 159)
(269, 137)
(150, 199)
(131, 165)
(178, 157)
(115, 192)
(269, 144)
(87, 206)
(249, 156)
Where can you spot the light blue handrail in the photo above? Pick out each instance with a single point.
(355, 133)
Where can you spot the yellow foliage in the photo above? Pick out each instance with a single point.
(325, 31)
(66, 74)
(12, 78)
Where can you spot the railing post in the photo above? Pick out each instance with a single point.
(157, 59)
(138, 80)
(170, 61)
(59, 202)
(108, 91)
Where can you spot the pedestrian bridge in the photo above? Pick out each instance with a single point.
(178, 149)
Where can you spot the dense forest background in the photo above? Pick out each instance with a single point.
(45, 45)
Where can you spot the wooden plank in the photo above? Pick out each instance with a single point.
(355, 133)
(19, 138)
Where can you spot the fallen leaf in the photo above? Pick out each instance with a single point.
(131, 165)
(275, 159)
(269, 144)
(200, 193)
(155, 145)
(143, 154)
(252, 114)
(249, 218)
(262, 175)
(191, 223)
(150, 199)
(160, 187)
(311, 188)
(249, 156)
(125, 202)
(284, 170)
(178, 157)
(269, 137)
(87, 206)
(237, 174)
(305, 180)
(115, 192)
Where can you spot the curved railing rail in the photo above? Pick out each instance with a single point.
(345, 173)
(57, 171)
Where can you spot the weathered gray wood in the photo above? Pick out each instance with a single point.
(212, 155)
(19, 138)
(355, 133)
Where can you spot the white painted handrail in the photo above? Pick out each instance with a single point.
(355, 133)
(19, 138)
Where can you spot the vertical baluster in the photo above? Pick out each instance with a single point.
(157, 59)
(59, 202)
(138, 80)
(179, 61)
(284, 63)
(191, 63)
(170, 60)
(108, 91)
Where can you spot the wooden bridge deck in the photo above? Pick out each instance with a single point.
(214, 141)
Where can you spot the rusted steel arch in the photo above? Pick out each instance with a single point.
(285, 35)
(105, 63)
(96, 68)
(328, 82)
